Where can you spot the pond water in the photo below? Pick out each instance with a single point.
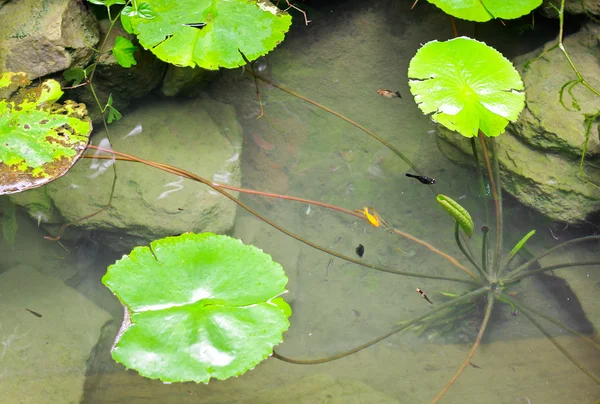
(348, 52)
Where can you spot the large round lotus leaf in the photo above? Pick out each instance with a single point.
(210, 33)
(485, 10)
(198, 306)
(467, 85)
(39, 139)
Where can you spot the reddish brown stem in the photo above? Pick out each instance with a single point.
(496, 262)
(488, 312)
(454, 30)
(220, 188)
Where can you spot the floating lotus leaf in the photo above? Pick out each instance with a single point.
(467, 85)
(207, 33)
(485, 10)
(39, 138)
(198, 306)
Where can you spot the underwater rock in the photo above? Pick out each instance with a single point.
(544, 181)
(184, 80)
(590, 7)
(45, 39)
(539, 154)
(545, 123)
(45, 351)
(201, 136)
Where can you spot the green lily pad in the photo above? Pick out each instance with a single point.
(198, 306)
(208, 33)
(467, 85)
(485, 10)
(39, 138)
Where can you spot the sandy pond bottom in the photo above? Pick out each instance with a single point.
(384, 374)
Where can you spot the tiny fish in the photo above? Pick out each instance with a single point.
(372, 218)
(34, 313)
(406, 253)
(329, 266)
(360, 250)
(422, 179)
(474, 365)
(262, 143)
(198, 25)
(389, 93)
(419, 291)
(135, 131)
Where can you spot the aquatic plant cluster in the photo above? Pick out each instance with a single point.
(212, 303)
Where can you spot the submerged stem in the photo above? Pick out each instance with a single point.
(351, 122)
(519, 269)
(486, 158)
(499, 219)
(462, 367)
(435, 310)
(484, 253)
(481, 181)
(189, 175)
(522, 306)
(466, 253)
(424, 243)
(560, 347)
(549, 268)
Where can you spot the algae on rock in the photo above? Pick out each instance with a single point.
(45, 37)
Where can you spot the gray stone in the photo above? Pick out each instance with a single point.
(545, 123)
(544, 181)
(201, 136)
(42, 38)
(590, 7)
(44, 359)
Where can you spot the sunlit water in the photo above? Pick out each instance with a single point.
(341, 59)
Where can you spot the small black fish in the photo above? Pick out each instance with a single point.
(422, 179)
(198, 25)
(34, 313)
(360, 250)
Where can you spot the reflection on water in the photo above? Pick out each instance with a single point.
(344, 56)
